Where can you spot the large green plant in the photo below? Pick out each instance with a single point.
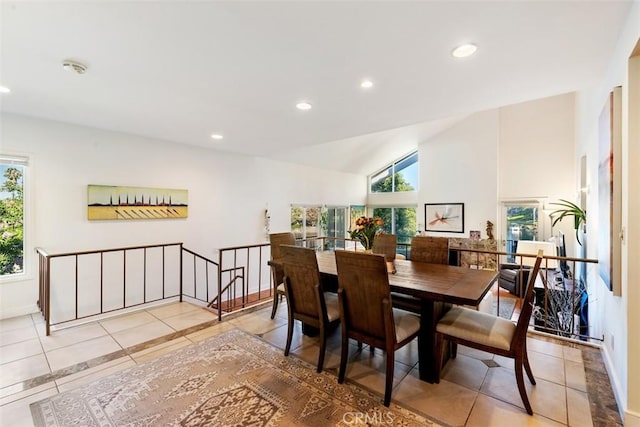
(569, 209)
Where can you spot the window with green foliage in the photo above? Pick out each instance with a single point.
(398, 220)
(522, 224)
(355, 212)
(11, 217)
(398, 176)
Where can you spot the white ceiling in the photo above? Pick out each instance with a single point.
(180, 71)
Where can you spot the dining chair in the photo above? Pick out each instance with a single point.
(275, 240)
(306, 300)
(366, 312)
(386, 244)
(492, 334)
(434, 250)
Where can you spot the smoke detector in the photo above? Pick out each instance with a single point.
(74, 66)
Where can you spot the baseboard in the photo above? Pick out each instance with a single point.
(19, 311)
(618, 392)
(631, 419)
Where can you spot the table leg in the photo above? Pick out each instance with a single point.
(432, 311)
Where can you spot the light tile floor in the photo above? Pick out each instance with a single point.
(472, 391)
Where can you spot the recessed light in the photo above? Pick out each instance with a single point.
(74, 66)
(366, 84)
(464, 50)
(303, 105)
(216, 136)
(4, 89)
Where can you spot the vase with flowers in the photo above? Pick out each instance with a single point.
(366, 230)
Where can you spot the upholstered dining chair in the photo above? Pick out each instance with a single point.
(275, 240)
(434, 250)
(492, 334)
(306, 300)
(366, 312)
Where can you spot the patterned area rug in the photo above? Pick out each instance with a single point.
(233, 379)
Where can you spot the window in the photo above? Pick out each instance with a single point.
(305, 221)
(12, 251)
(356, 211)
(399, 176)
(398, 220)
(521, 221)
(334, 221)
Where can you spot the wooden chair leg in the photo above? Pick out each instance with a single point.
(389, 377)
(437, 357)
(453, 349)
(519, 362)
(276, 299)
(323, 347)
(344, 355)
(527, 367)
(289, 335)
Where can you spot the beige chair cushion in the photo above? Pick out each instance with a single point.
(406, 324)
(400, 256)
(280, 288)
(478, 327)
(333, 310)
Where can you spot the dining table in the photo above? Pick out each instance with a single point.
(436, 287)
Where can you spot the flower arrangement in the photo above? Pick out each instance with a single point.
(366, 230)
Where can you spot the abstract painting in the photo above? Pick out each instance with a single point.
(106, 202)
(444, 217)
(609, 192)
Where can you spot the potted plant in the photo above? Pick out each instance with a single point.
(570, 209)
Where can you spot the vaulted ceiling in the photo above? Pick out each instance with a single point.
(181, 71)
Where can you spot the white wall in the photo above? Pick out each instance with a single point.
(537, 144)
(460, 165)
(619, 316)
(228, 193)
(521, 151)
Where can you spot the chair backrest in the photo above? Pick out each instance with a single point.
(363, 285)
(430, 249)
(302, 280)
(277, 239)
(527, 303)
(386, 244)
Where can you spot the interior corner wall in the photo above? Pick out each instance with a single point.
(228, 194)
(459, 165)
(618, 319)
(537, 149)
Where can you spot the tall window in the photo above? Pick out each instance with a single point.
(305, 221)
(398, 176)
(12, 172)
(398, 220)
(521, 221)
(334, 221)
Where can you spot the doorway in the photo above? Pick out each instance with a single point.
(521, 221)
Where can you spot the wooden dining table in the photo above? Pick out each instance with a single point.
(437, 286)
